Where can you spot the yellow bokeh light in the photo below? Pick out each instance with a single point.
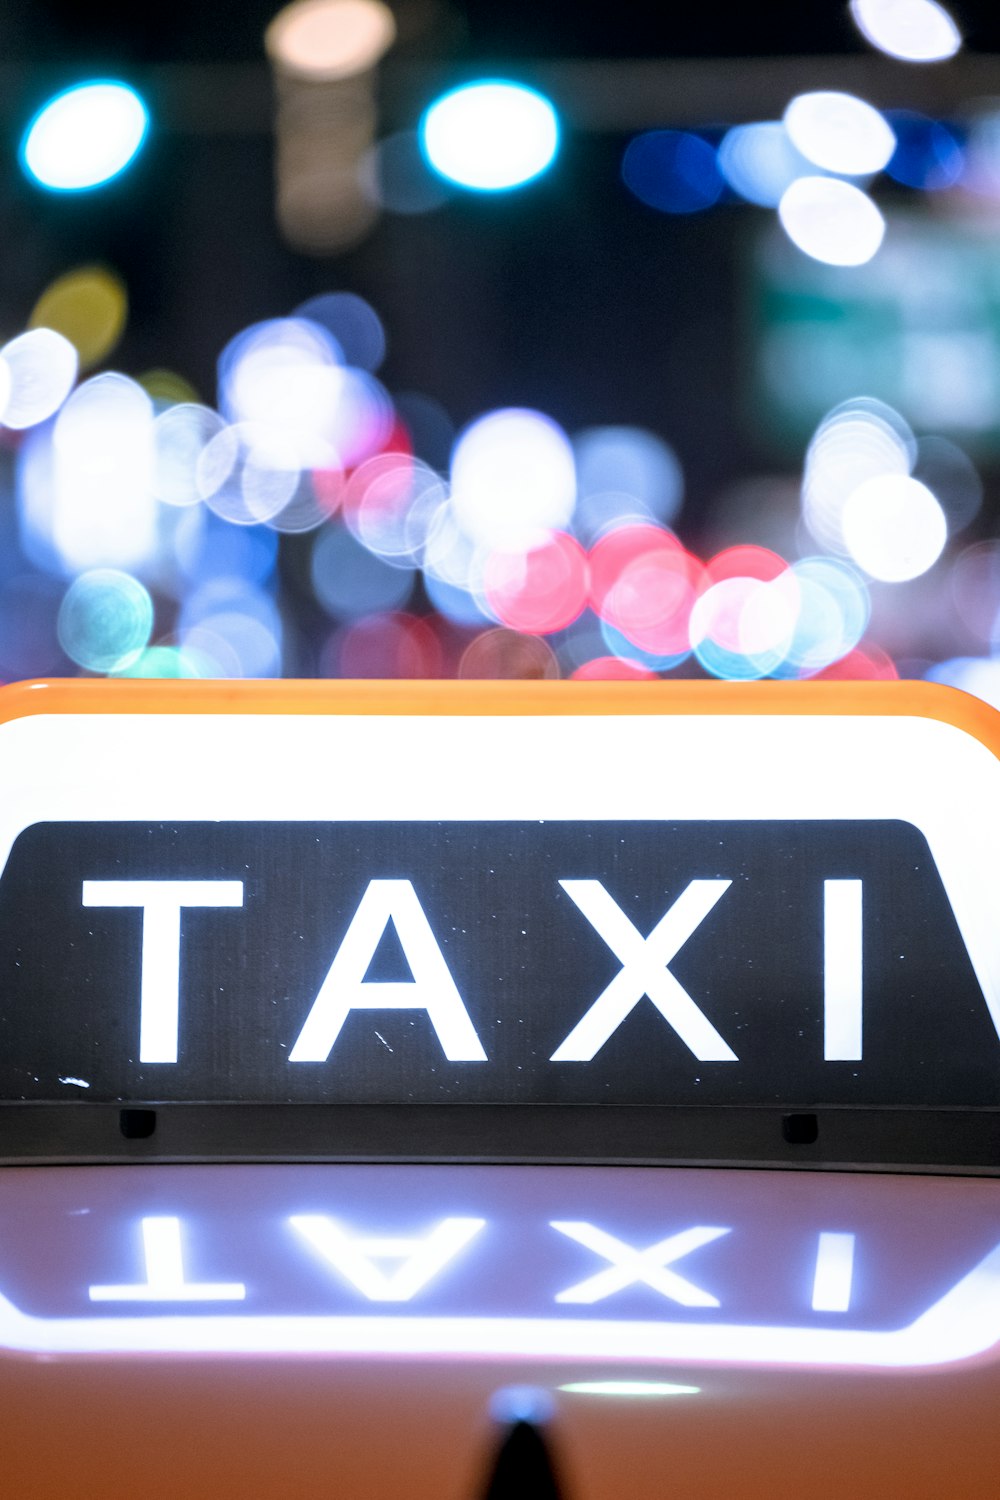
(167, 387)
(89, 307)
(327, 40)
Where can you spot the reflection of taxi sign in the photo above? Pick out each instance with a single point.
(520, 895)
(833, 1269)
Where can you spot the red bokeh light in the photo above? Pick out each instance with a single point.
(744, 562)
(612, 669)
(539, 591)
(870, 665)
(384, 645)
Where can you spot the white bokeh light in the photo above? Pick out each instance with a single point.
(85, 494)
(759, 161)
(286, 373)
(490, 136)
(831, 221)
(912, 30)
(860, 439)
(839, 132)
(894, 527)
(85, 136)
(512, 475)
(42, 367)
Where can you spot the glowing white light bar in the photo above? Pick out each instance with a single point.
(842, 968)
(628, 1388)
(834, 1273)
(165, 1280)
(161, 902)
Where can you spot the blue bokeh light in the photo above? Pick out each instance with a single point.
(928, 154)
(84, 136)
(673, 170)
(491, 135)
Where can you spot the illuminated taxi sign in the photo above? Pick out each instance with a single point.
(504, 894)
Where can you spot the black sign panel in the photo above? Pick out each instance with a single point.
(487, 962)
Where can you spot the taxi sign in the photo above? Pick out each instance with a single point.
(570, 921)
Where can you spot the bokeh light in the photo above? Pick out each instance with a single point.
(505, 654)
(612, 669)
(327, 40)
(833, 610)
(759, 161)
(490, 136)
(41, 369)
(84, 136)
(839, 132)
(180, 436)
(831, 221)
(233, 627)
(673, 170)
(974, 586)
(397, 176)
(89, 307)
(352, 322)
(512, 475)
(928, 155)
(384, 645)
(948, 471)
(540, 590)
(894, 528)
(624, 471)
(870, 665)
(858, 440)
(742, 627)
(105, 620)
(349, 581)
(913, 30)
(86, 484)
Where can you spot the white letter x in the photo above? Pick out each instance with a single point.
(629, 1266)
(644, 971)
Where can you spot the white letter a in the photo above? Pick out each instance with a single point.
(431, 989)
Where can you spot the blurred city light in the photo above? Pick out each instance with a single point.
(41, 370)
(759, 161)
(502, 653)
(328, 40)
(512, 475)
(673, 170)
(85, 136)
(831, 221)
(912, 30)
(180, 436)
(353, 323)
(839, 133)
(85, 483)
(928, 154)
(540, 590)
(624, 470)
(105, 620)
(859, 440)
(350, 581)
(893, 527)
(89, 307)
(307, 517)
(398, 177)
(490, 136)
